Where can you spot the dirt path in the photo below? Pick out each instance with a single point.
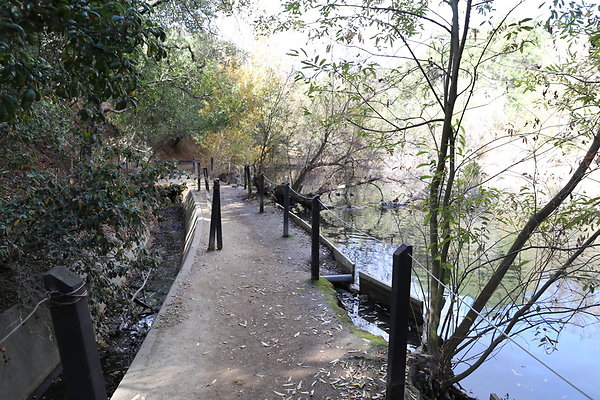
(246, 322)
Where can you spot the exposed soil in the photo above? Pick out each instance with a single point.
(10, 289)
(167, 244)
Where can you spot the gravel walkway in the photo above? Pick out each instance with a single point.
(246, 322)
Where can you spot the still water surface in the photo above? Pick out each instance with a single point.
(369, 236)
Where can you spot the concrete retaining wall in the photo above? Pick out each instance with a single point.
(345, 262)
(192, 211)
(28, 356)
(378, 291)
(193, 205)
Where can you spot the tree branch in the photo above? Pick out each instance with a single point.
(534, 221)
(523, 310)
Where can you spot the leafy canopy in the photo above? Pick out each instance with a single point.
(73, 50)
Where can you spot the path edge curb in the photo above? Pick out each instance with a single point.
(193, 211)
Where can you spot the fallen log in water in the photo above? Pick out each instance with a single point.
(295, 197)
(347, 185)
(305, 200)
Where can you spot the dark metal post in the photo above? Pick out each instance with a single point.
(215, 218)
(75, 335)
(261, 194)
(399, 311)
(286, 210)
(248, 177)
(212, 164)
(217, 191)
(316, 224)
(199, 177)
(249, 181)
(206, 179)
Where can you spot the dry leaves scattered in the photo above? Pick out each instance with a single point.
(351, 379)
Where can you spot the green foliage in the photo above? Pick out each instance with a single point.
(415, 87)
(388, 21)
(73, 49)
(190, 93)
(92, 218)
(572, 83)
(195, 15)
(72, 192)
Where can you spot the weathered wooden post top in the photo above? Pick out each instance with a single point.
(75, 335)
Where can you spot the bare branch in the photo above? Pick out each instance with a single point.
(534, 221)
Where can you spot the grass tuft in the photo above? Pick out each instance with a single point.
(328, 290)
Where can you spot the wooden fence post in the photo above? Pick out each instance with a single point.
(286, 210)
(199, 177)
(206, 179)
(261, 194)
(216, 228)
(219, 220)
(215, 218)
(212, 164)
(249, 181)
(399, 311)
(316, 224)
(75, 335)
(245, 177)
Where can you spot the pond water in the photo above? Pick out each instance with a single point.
(369, 235)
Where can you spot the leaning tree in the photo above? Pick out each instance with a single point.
(435, 60)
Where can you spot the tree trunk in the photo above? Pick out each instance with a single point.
(439, 218)
(278, 192)
(463, 330)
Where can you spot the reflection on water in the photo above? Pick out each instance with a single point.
(372, 317)
(369, 236)
(511, 371)
(366, 315)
